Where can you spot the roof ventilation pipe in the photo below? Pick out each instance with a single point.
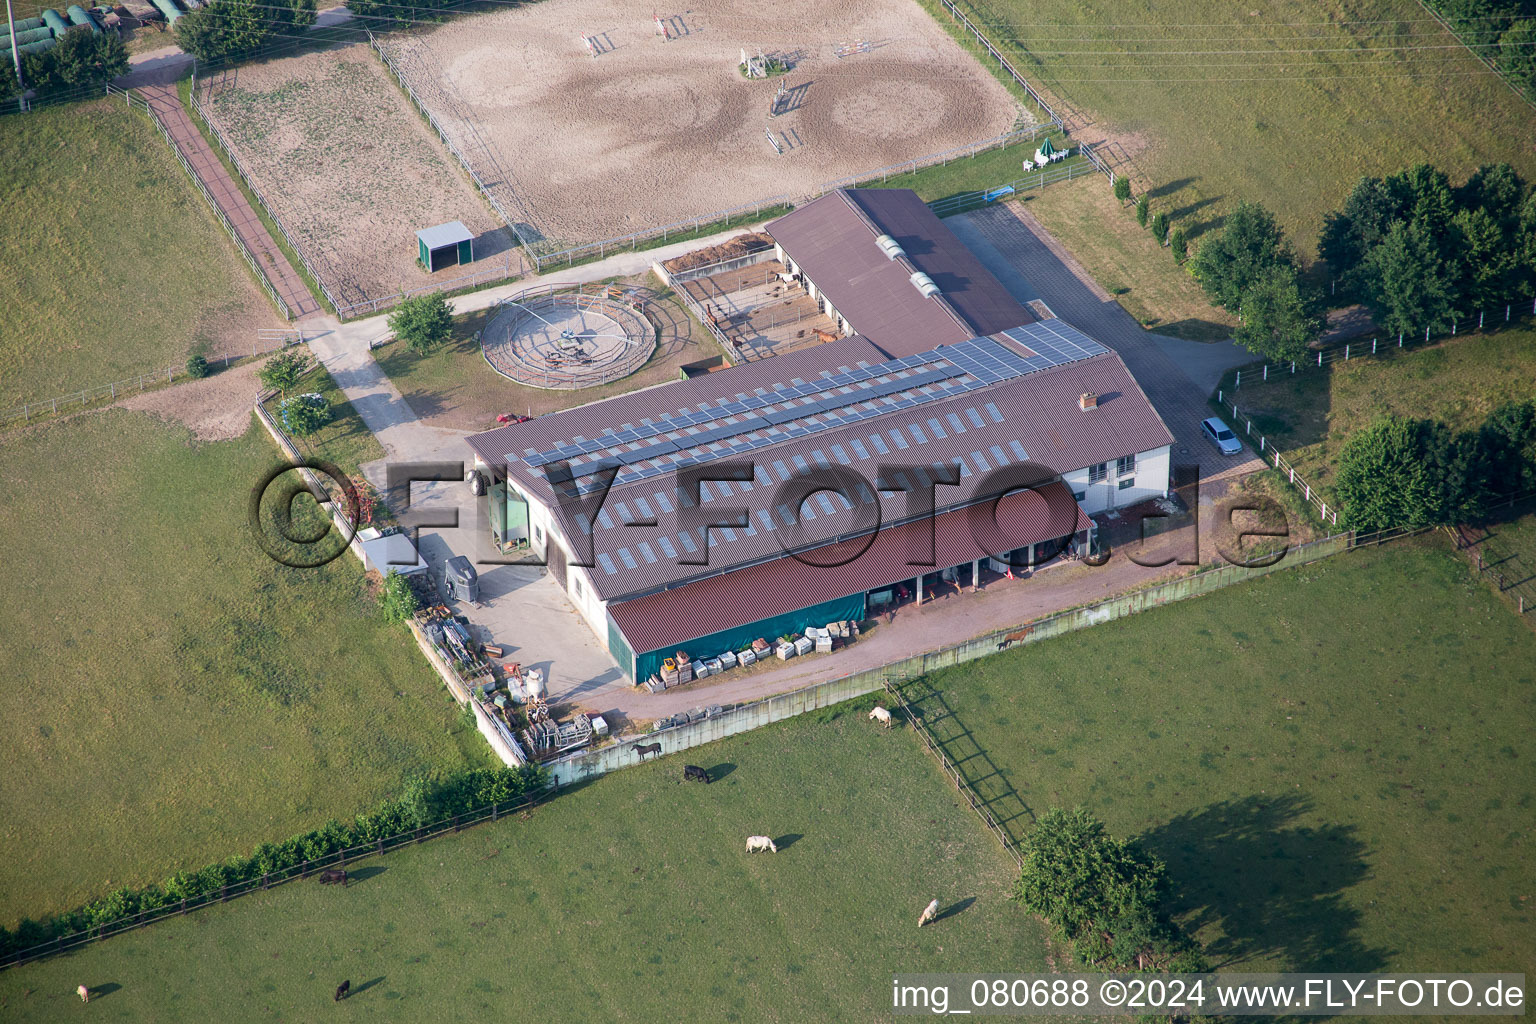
(890, 247)
(923, 283)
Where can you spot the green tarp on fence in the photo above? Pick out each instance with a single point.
(851, 607)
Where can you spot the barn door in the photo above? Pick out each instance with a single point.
(556, 562)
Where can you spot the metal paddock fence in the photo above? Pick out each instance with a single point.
(596, 301)
(250, 184)
(514, 223)
(1508, 314)
(266, 340)
(996, 54)
(964, 201)
(586, 765)
(753, 211)
(1273, 456)
(261, 276)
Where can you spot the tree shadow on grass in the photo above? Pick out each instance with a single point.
(1170, 188)
(1268, 888)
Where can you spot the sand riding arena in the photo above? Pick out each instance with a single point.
(569, 340)
(585, 123)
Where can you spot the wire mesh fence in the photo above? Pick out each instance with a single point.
(264, 341)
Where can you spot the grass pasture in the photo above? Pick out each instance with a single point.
(628, 899)
(1335, 761)
(1126, 260)
(117, 265)
(175, 696)
(1285, 102)
(1310, 414)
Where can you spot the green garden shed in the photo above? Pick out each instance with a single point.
(444, 245)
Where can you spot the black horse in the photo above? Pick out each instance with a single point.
(343, 989)
(693, 773)
(647, 748)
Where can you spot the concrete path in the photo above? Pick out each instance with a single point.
(167, 106)
(521, 607)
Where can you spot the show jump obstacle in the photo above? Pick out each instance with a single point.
(850, 48)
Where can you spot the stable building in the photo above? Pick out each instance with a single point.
(881, 433)
(883, 266)
(960, 434)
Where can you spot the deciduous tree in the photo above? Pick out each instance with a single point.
(1405, 281)
(424, 323)
(1277, 319)
(283, 371)
(1249, 244)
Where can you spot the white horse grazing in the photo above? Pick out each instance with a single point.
(930, 912)
(882, 716)
(84, 993)
(757, 844)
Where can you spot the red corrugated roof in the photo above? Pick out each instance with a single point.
(1037, 412)
(832, 241)
(672, 618)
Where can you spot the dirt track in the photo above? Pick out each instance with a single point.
(350, 168)
(650, 132)
(216, 408)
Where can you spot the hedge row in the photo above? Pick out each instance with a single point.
(423, 802)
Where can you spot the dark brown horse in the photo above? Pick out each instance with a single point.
(333, 876)
(343, 989)
(693, 773)
(647, 748)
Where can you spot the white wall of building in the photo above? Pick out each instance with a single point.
(1116, 490)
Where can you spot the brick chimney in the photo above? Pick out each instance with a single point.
(1088, 400)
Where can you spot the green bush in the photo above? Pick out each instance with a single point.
(283, 371)
(305, 414)
(424, 802)
(1141, 209)
(231, 28)
(81, 59)
(1107, 896)
(1160, 228)
(1249, 245)
(397, 600)
(1123, 188)
(1179, 245)
(1413, 472)
(197, 367)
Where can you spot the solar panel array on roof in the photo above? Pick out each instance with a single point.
(1054, 343)
(750, 422)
